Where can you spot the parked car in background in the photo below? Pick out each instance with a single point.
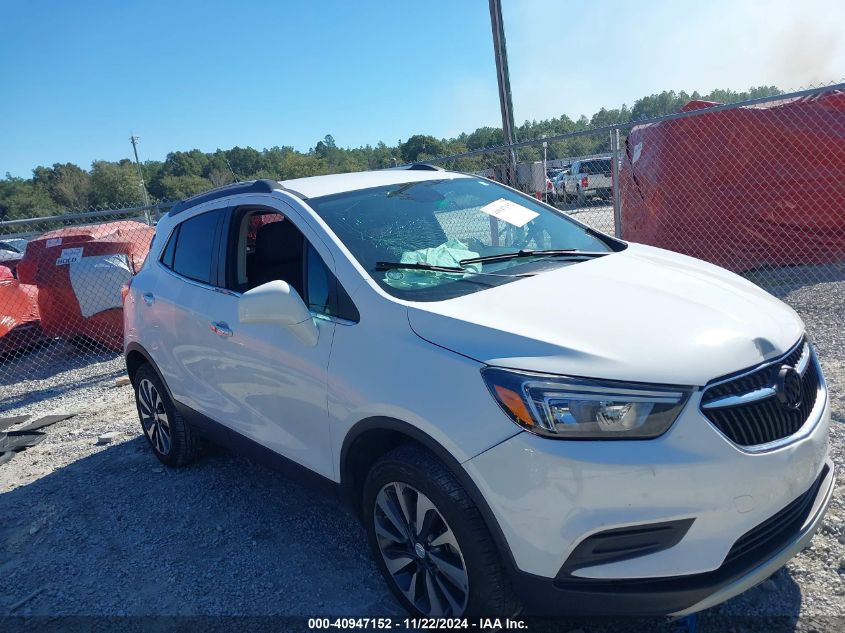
(11, 252)
(413, 339)
(16, 243)
(591, 178)
(559, 185)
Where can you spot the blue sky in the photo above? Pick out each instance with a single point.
(78, 78)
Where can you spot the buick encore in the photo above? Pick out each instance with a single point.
(524, 412)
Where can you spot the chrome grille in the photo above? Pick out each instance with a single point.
(748, 408)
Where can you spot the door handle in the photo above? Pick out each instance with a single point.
(149, 298)
(220, 328)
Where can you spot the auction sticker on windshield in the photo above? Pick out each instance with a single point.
(509, 212)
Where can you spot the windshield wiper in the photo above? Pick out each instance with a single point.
(420, 266)
(442, 269)
(548, 252)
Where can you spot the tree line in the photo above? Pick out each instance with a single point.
(66, 187)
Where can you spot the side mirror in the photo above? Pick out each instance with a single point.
(277, 302)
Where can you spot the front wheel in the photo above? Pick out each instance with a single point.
(429, 539)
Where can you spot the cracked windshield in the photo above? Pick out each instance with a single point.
(433, 240)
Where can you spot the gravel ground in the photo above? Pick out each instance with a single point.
(104, 530)
(598, 216)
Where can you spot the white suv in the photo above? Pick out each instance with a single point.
(524, 412)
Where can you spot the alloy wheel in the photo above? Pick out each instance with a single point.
(153, 416)
(420, 551)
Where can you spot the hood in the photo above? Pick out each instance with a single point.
(643, 314)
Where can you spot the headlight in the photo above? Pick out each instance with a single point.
(579, 408)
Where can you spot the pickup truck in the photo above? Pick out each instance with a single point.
(591, 178)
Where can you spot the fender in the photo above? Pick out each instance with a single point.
(454, 466)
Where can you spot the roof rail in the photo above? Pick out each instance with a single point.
(250, 186)
(414, 167)
(424, 167)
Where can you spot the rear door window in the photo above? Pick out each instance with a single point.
(194, 248)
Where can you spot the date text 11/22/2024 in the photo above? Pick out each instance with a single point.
(481, 624)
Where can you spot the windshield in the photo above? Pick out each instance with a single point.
(440, 223)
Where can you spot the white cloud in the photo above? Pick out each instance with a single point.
(575, 58)
(808, 52)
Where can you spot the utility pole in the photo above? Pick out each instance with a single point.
(504, 81)
(545, 170)
(134, 140)
(615, 156)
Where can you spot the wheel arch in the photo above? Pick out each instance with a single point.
(372, 437)
(135, 356)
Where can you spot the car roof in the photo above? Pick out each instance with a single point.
(316, 186)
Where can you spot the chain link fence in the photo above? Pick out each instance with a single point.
(552, 170)
(60, 295)
(756, 187)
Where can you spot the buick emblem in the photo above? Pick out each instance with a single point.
(788, 387)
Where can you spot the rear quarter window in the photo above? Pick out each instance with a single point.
(194, 246)
(167, 256)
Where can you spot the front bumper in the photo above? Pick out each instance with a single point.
(676, 596)
(548, 496)
(735, 585)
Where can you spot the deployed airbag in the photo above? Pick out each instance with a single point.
(450, 254)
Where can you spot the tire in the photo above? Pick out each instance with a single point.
(453, 537)
(167, 432)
